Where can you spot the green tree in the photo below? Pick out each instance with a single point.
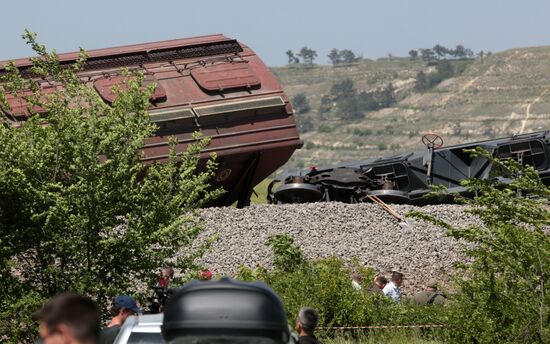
(77, 210)
(343, 89)
(326, 104)
(334, 57)
(386, 96)
(459, 51)
(291, 57)
(503, 290)
(427, 54)
(421, 83)
(308, 55)
(440, 51)
(347, 56)
(301, 103)
(413, 54)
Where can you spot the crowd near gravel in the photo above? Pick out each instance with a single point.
(419, 249)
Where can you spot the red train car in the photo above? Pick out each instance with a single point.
(212, 84)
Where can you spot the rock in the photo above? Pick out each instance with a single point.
(420, 250)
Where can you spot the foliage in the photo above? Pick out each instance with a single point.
(325, 284)
(334, 57)
(413, 54)
(503, 291)
(287, 255)
(343, 56)
(350, 104)
(301, 103)
(308, 55)
(444, 70)
(348, 109)
(291, 57)
(77, 211)
(343, 89)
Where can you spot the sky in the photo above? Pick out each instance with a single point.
(371, 29)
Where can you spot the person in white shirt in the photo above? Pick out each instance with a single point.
(356, 281)
(392, 289)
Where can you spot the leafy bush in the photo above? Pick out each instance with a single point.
(301, 103)
(77, 211)
(503, 294)
(325, 284)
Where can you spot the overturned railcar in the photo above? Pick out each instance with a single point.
(212, 84)
(406, 178)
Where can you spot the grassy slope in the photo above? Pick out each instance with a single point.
(499, 96)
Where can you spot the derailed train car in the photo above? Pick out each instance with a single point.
(406, 178)
(211, 84)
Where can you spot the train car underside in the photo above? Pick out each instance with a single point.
(407, 178)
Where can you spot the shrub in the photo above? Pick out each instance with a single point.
(502, 293)
(77, 211)
(325, 284)
(301, 103)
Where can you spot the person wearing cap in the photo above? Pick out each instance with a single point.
(306, 322)
(393, 289)
(123, 307)
(69, 318)
(430, 296)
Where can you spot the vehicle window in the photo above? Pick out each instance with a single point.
(145, 338)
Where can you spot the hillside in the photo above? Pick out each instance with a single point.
(499, 95)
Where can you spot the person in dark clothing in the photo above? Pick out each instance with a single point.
(123, 307)
(379, 284)
(306, 322)
(430, 296)
(69, 318)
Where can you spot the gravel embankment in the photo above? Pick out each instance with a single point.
(421, 250)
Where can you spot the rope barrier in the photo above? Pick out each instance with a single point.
(378, 327)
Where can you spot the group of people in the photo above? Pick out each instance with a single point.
(74, 319)
(392, 289)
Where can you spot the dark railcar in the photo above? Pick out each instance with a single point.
(212, 84)
(406, 178)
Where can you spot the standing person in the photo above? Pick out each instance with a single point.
(306, 322)
(430, 296)
(356, 281)
(123, 307)
(393, 289)
(166, 276)
(70, 319)
(379, 284)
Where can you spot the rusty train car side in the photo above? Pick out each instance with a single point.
(211, 84)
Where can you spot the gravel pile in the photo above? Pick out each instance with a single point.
(420, 250)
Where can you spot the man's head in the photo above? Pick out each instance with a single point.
(69, 318)
(167, 273)
(307, 320)
(124, 306)
(356, 277)
(397, 278)
(206, 275)
(432, 285)
(380, 281)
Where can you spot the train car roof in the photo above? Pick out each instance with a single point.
(133, 49)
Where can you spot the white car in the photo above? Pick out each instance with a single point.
(142, 329)
(145, 329)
